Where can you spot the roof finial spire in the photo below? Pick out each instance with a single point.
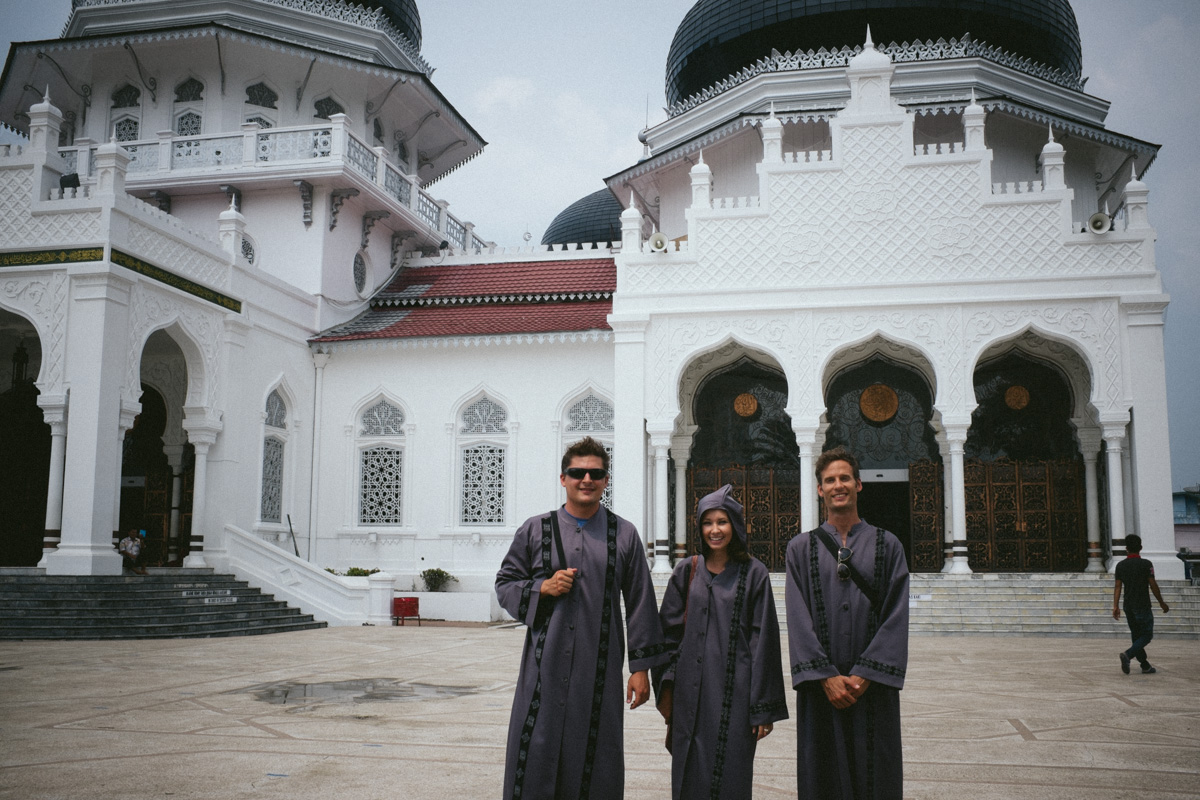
(869, 44)
(46, 96)
(1050, 125)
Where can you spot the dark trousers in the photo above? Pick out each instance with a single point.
(1141, 630)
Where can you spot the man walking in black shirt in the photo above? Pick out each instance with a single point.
(1136, 574)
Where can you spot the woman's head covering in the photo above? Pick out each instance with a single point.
(723, 498)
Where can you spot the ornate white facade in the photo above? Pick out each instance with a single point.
(817, 216)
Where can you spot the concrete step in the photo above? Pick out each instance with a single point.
(164, 604)
(1024, 604)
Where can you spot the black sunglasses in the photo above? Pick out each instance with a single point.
(595, 473)
(843, 569)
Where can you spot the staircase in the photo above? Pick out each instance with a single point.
(1026, 604)
(166, 604)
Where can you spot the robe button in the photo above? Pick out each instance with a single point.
(845, 606)
(571, 627)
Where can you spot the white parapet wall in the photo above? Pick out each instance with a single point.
(329, 598)
(339, 600)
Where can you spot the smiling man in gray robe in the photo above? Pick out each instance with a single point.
(847, 614)
(564, 577)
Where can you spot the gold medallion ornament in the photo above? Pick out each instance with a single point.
(1016, 397)
(879, 403)
(745, 404)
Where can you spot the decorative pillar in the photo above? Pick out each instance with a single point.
(320, 360)
(1114, 443)
(54, 412)
(956, 438)
(806, 440)
(1053, 170)
(98, 338)
(660, 442)
(129, 412)
(974, 121)
(681, 451)
(202, 426)
(1089, 440)
(947, 508)
(174, 454)
(772, 137)
(629, 427)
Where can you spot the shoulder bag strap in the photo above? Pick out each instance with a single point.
(687, 592)
(858, 579)
(558, 545)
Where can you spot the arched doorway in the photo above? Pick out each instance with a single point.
(157, 462)
(879, 410)
(744, 438)
(1023, 472)
(24, 445)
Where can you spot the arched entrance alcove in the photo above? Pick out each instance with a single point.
(24, 445)
(1023, 471)
(880, 409)
(743, 436)
(157, 461)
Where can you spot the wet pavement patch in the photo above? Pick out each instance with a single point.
(366, 690)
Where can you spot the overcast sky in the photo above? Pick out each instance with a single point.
(560, 91)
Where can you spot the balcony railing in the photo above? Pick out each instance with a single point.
(255, 149)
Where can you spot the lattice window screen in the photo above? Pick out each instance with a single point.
(261, 95)
(190, 91)
(484, 416)
(483, 484)
(276, 411)
(382, 419)
(590, 414)
(271, 509)
(380, 491)
(126, 130)
(188, 124)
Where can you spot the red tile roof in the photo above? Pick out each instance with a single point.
(482, 320)
(488, 300)
(518, 279)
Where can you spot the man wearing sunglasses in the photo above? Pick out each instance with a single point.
(847, 615)
(564, 577)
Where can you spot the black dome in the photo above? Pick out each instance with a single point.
(403, 13)
(717, 38)
(595, 218)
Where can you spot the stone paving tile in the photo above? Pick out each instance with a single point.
(983, 718)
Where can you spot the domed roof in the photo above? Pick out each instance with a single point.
(401, 12)
(595, 218)
(717, 38)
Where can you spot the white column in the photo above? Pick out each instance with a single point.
(629, 435)
(174, 454)
(956, 438)
(1114, 443)
(96, 341)
(1089, 448)
(128, 415)
(947, 494)
(681, 451)
(54, 412)
(806, 440)
(202, 426)
(320, 360)
(661, 443)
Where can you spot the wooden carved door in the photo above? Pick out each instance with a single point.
(927, 517)
(1025, 516)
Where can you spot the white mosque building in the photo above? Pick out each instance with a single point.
(238, 319)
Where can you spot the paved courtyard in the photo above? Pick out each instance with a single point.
(418, 713)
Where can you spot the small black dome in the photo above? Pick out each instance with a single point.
(403, 13)
(595, 218)
(718, 38)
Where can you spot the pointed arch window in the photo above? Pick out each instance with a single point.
(274, 442)
(592, 416)
(326, 107)
(483, 453)
(188, 108)
(260, 97)
(127, 113)
(381, 465)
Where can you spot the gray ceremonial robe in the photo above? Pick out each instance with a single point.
(566, 732)
(855, 752)
(715, 699)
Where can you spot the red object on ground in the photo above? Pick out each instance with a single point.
(406, 608)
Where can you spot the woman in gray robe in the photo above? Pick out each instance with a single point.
(723, 688)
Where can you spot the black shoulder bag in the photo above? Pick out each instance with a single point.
(855, 575)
